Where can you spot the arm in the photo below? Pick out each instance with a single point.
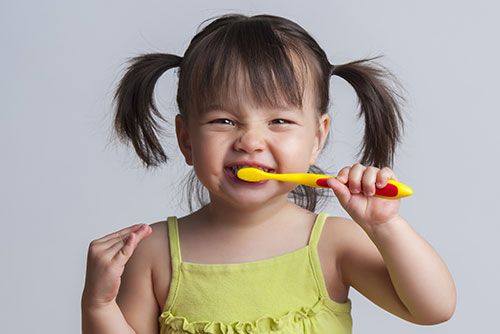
(104, 319)
(383, 257)
(395, 268)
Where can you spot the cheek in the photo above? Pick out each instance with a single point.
(300, 141)
(295, 151)
(208, 148)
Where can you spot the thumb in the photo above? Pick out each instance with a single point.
(341, 190)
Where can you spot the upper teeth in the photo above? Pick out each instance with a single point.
(236, 168)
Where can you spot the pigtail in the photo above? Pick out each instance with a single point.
(135, 106)
(381, 110)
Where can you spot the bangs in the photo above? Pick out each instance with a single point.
(245, 62)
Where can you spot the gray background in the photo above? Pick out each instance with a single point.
(64, 182)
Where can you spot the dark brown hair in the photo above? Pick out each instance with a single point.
(270, 59)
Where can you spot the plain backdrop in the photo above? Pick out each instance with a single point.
(64, 181)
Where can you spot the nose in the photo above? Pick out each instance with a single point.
(250, 140)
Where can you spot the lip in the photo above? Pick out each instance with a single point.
(249, 163)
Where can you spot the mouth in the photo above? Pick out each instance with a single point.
(233, 169)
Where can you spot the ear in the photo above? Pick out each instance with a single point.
(181, 130)
(321, 135)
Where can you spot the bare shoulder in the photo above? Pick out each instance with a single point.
(351, 246)
(343, 233)
(335, 230)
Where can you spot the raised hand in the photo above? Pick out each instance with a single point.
(106, 261)
(355, 186)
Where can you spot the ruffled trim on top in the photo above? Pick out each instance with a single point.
(289, 321)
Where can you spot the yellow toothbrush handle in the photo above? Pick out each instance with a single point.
(305, 179)
(392, 190)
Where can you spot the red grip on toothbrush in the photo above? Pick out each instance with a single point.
(322, 182)
(390, 190)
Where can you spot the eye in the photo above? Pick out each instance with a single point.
(222, 121)
(281, 121)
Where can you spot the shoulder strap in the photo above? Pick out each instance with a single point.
(175, 259)
(173, 238)
(314, 255)
(317, 228)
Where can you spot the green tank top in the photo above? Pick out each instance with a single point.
(281, 294)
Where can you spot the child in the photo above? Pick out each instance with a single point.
(255, 91)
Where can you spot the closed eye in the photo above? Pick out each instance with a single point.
(281, 121)
(222, 121)
(226, 121)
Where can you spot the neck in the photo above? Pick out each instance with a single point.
(220, 214)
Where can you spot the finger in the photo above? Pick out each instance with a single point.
(124, 249)
(369, 179)
(121, 233)
(355, 175)
(341, 190)
(383, 176)
(121, 241)
(343, 175)
(121, 251)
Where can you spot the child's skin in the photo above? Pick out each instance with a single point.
(378, 252)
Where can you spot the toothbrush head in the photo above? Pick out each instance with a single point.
(251, 174)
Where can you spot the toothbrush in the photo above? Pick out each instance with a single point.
(393, 189)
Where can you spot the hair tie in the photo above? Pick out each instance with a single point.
(332, 69)
(179, 61)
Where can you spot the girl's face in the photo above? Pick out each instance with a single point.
(283, 140)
